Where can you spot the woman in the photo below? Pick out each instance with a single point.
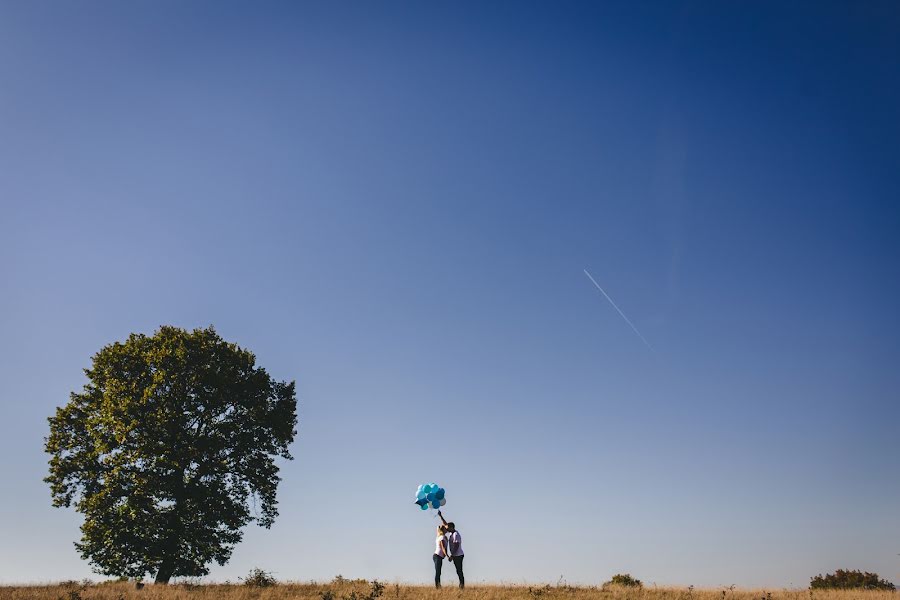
(440, 553)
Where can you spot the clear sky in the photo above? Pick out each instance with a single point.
(393, 205)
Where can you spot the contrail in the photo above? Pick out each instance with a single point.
(605, 295)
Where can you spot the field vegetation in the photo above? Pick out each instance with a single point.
(345, 589)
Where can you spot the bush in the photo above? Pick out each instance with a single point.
(259, 578)
(848, 580)
(625, 580)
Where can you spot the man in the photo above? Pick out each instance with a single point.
(454, 549)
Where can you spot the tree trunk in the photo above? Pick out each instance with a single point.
(170, 549)
(165, 571)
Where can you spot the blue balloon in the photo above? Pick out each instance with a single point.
(430, 495)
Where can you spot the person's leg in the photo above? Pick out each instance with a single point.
(457, 562)
(438, 563)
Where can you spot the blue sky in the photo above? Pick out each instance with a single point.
(392, 203)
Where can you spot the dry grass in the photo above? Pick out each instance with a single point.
(362, 591)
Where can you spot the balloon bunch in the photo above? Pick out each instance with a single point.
(430, 495)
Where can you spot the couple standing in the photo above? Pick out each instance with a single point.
(448, 545)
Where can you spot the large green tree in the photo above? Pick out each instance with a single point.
(166, 448)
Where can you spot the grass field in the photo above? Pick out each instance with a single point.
(364, 591)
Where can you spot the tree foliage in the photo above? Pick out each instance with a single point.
(844, 580)
(163, 451)
(625, 580)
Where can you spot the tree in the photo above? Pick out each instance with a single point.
(624, 580)
(844, 580)
(164, 449)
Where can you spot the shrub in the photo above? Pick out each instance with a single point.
(625, 580)
(847, 580)
(259, 578)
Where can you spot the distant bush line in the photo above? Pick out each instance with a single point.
(850, 580)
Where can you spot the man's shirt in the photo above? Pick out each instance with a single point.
(454, 540)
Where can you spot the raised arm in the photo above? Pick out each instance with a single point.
(443, 520)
